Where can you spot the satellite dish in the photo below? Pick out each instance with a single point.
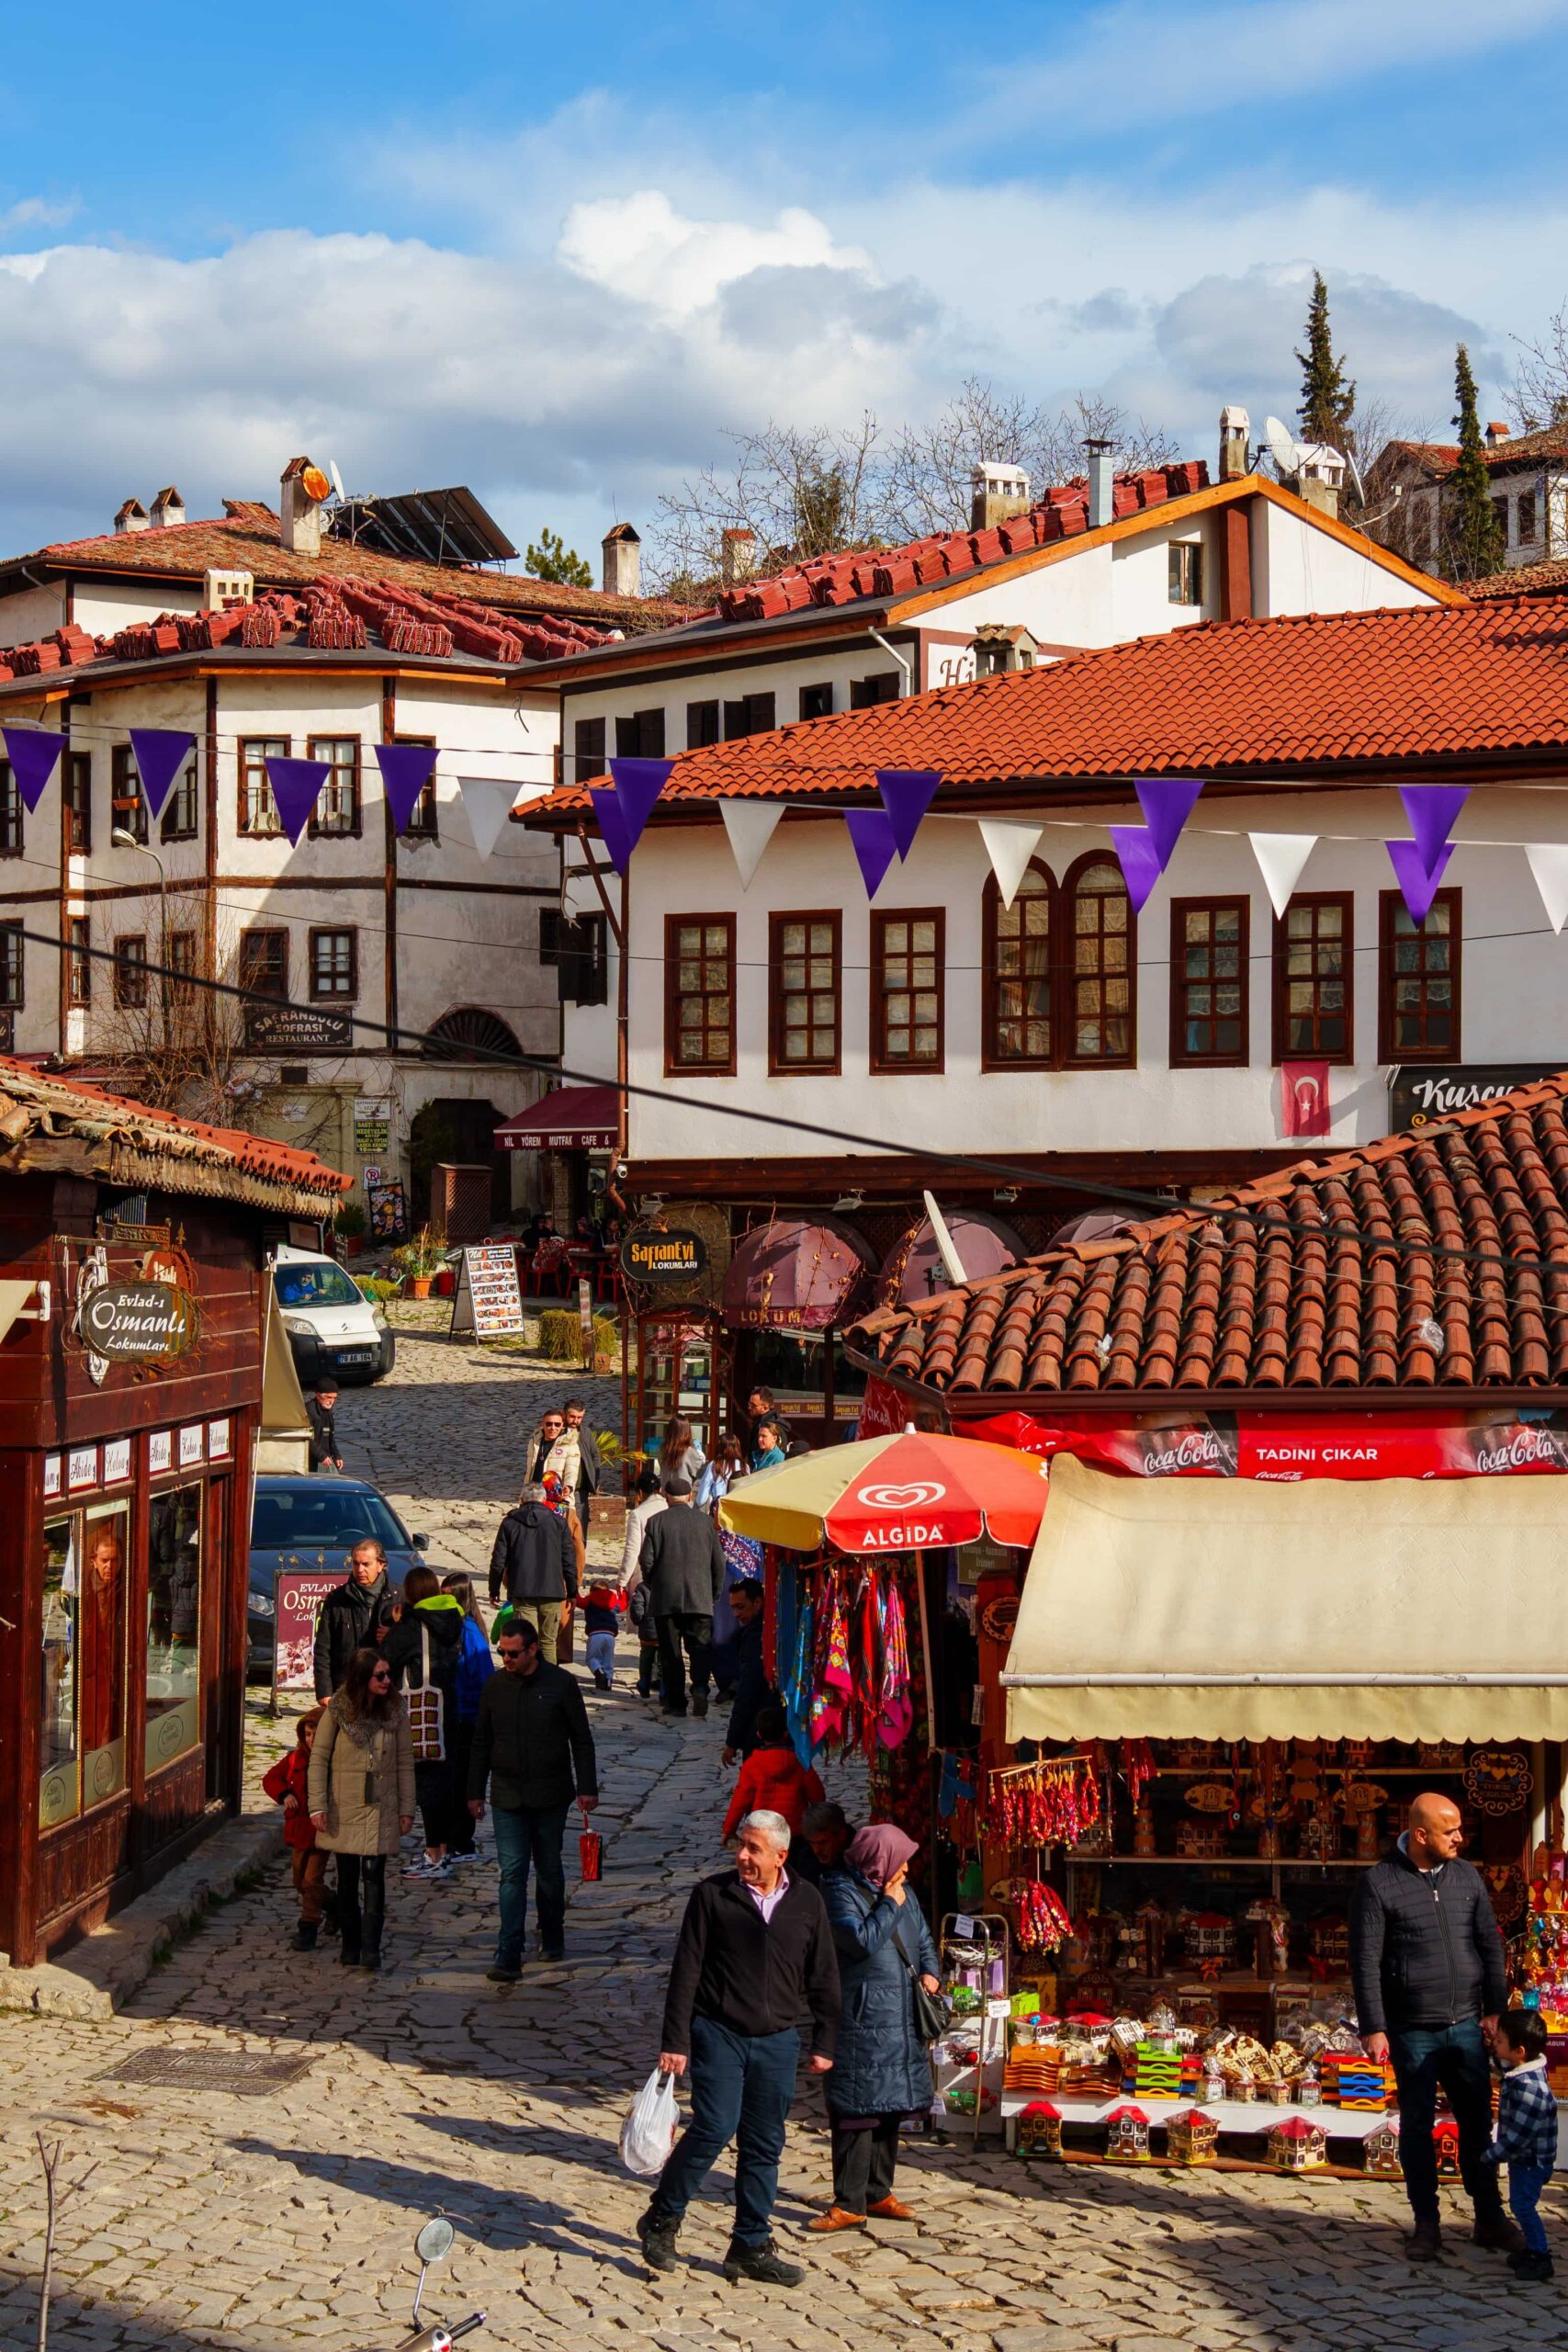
(1283, 448)
(337, 481)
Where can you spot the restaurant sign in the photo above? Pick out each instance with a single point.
(136, 1322)
(1439, 1089)
(297, 1029)
(651, 1256)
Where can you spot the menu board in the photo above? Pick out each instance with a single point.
(487, 1301)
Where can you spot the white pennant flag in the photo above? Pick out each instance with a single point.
(488, 801)
(1549, 863)
(750, 825)
(1010, 846)
(1281, 857)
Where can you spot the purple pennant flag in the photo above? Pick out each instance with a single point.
(1432, 809)
(907, 794)
(33, 755)
(870, 831)
(612, 828)
(159, 754)
(1167, 802)
(295, 787)
(637, 785)
(406, 769)
(1418, 886)
(1140, 861)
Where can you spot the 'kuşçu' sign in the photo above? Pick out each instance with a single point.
(650, 1255)
(138, 1322)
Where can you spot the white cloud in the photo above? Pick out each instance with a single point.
(38, 212)
(643, 249)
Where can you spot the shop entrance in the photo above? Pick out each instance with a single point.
(456, 1128)
(682, 1367)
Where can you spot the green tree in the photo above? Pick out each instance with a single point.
(553, 560)
(1328, 397)
(1473, 536)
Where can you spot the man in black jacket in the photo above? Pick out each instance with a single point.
(1426, 1961)
(684, 1567)
(590, 1467)
(536, 1559)
(753, 1965)
(532, 1744)
(353, 1615)
(751, 1689)
(319, 1411)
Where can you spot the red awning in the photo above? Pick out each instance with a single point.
(795, 1275)
(573, 1118)
(985, 1245)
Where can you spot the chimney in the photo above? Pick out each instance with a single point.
(740, 558)
(1101, 486)
(1495, 432)
(1322, 480)
(1235, 426)
(997, 493)
(304, 486)
(132, 516)
(168, 508)
(221, 589)
(621, 551)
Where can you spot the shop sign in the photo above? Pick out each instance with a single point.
(372, 1127)
(297, 1029)
(190, 1445)
(116, 1461)
(487, 1302)
(138, 1322)
(160, 1450)
(650, 1255)
(1436, 1091)
(298, 1595)
(218, 1441)
(1493, 1441)
(52, 1468)
(82, 1467)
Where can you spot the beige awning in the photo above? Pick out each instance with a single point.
(1238, 1609)
(283, 1399)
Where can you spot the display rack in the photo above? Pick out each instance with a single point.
(983, 2030)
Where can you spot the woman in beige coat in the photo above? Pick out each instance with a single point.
(361, 1797)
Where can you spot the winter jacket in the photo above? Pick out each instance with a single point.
(773, 1780)
(533, 1557)
(476, 1664)
(433, 1626)
(362, 1779)
(291, 1777)
(591, 1472)
(768, 1459)
(354, 1617)
(324, 1446)
(636, 1528)
(1526, 2120)
(682, 1560)
(1423, 1947)
(751, 1687)
(752, 1975)
(532, 1742)
(881, 2067)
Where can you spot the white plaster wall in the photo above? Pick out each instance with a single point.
(31, 613)
(103, 606)
(783, 678)
(1299, 569)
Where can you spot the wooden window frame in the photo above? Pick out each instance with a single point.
(639, 734)
(130, 968)
(181, 820)
(1184, 571)
(78, 961)
(778, 1066)
(1282, 1051)
(424, 821)
(128, 802)
(587, 764)
(819, 688)
(13, 959)
(674, 1068)
(318, 829)
(1388, 905)
(260, 931)
(1527, 500)
(1066, 1015)
(350, 995)
(181, 960)
(250, 756)
(748, 715)
(1180, 1058)
(881, 1065)
(991, 1057)
(877, 687)
(76, 791)
(704, 724)
(13, 814)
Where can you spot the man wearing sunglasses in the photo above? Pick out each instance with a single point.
(534, 1751)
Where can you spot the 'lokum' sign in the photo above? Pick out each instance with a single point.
(138, 1322)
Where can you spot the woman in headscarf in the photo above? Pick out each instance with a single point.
(881, 2069)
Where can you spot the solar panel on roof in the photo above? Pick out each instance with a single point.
(430, 526)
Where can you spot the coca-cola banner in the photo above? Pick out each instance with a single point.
(884, 1412)
(1173, 1442)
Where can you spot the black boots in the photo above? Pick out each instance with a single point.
(761, 2264)
(305, 1935)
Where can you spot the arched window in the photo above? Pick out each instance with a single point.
(469, 1034)
(1016, 979)
(1100, 1012)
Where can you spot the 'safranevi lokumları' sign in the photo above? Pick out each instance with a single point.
(138, 1322)
(648, 1255)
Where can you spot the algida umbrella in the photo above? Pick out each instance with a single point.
(899, 1493)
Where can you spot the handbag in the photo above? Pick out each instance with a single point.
(933, 2011)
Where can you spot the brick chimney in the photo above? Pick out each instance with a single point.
(995, 495)
(1235, 426)
(621, 551)
(1102, 482)
(132, 516)
(739, 559)
(300, 514)
(168, 508)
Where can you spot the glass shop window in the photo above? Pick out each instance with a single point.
(173, 1665)
(60, 1777)
(85, 1578)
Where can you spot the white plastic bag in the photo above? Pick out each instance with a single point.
(649, 2132)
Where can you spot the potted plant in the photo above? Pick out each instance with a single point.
(418, 1263)
(351, 1225)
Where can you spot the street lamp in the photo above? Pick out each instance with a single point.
(120, 837)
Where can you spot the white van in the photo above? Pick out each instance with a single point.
(332, 1329)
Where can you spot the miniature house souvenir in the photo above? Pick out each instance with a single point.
(1162, 2027)
(1380, 2151)
(1329, 1945)
(1192, 2136)
(1040, 2130)
(1127, 2141)
(1445, 2147)
(1297, 2144)
(1208, 1937)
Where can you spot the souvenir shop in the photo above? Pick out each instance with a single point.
(133, 1300)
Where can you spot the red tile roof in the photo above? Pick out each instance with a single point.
(1293, 1283)
(1061, 514)
(1441, 457)
(1392, 686)
(1547, 578)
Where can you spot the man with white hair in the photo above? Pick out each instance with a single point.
(754, 1966)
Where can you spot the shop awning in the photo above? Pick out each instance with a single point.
(914, 1270)
(796, 1274)
(572, 1118)
(1240, 1608)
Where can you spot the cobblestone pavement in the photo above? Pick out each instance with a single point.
(262, 2222)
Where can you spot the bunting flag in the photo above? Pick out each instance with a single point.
(159, 754)
(1549, 863)
(636, 785)
(406, 769)
(613, 831)
(1140, 862)
(34, 755)
(295, 787)
(750, 825)
(1167, 802)
(1418, 886)
(486, 804)
(1281, 859)
(907, 794)
(871, 830)
(1432, 809)
(1010, 846)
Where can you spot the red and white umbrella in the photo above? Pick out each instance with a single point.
(900, 1493)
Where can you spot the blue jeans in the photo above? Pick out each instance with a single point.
(1455, 2057)
(742, 2087)
(525, 1833)
(1525, 2185)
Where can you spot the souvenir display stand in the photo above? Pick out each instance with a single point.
(969, 2061)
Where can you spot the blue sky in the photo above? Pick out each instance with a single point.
(557, 251)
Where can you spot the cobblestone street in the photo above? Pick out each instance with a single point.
(215, 2220)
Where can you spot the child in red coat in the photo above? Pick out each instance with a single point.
(287, 1782)
(773, 1779)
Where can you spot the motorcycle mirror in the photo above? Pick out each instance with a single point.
(435, 2241)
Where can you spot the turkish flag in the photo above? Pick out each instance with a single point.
(1303, 1098)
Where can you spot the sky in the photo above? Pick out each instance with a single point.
(557, 253)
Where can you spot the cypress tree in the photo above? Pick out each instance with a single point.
(1472, 537)
(1328, 397)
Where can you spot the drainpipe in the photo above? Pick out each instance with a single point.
(892, 650)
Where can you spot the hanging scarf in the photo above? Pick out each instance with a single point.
(831, 1679)
(897, 1715)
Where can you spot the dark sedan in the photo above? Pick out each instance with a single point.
(315, 1522)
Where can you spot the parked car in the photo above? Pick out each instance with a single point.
(315, 1522)
(330, 1324)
